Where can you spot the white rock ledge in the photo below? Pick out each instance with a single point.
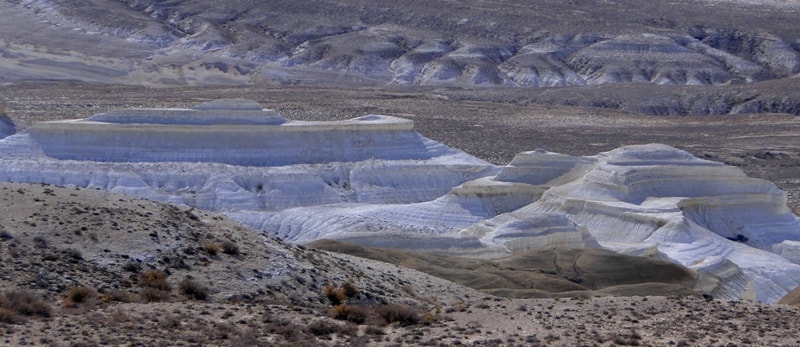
(215, 132)
(374, 181)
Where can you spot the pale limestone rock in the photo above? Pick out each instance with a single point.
(374, 181)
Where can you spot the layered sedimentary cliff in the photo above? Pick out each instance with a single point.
(376, 182)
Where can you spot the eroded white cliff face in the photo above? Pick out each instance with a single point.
(376, 182)
(656, 200)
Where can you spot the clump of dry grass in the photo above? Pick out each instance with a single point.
(193, 289)
(350, 289)
(148, 294)
(14, 303)
(118, 295)
(229, 248)
(398, 314)
(321, 328)
(154, 279)
(351, 313)
(154, 286)
(211, 248)
(77, 296)
(335, 295)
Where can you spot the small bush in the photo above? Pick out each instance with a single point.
(148, 294)
(334, 294)
(7, 316)
(230, 248)
(24, 303)
(74, 254)
(40, 242)
(350, 289)
(321, 327)
(154, 279)
(5, 235)
(78, 295)
(193, 289)
(351, 313)
(132, 267)
(374, 331)
(119, 295)
(211, 248)
(400, 314)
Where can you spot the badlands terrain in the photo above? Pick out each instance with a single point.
(572, 82)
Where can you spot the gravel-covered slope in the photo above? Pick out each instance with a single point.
(56, 238)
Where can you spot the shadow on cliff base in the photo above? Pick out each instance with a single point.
(547, 273)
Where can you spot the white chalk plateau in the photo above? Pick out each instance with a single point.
(374, 181)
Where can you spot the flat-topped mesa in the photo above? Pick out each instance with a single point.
(237, 132)
(216, 112)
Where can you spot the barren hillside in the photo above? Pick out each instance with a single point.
(677, 45)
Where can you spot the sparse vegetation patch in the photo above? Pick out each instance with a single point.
(14, 303)
(77, 296)
(193, 289)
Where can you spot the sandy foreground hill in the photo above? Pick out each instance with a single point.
(83, 267)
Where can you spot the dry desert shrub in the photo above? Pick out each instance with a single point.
(4, 234)
(229, 248)
(350, 289)
(73, 255)
(211, 248)
(351, 313)
(7, 316)
(118, 295)
(193, 289)
(17, 302)
(77, 296)
(148, 294)
(154, 279)
(336, 295)
(154, 286)
(132, 267)
(374, 331)
(399, 314)
(321, 327)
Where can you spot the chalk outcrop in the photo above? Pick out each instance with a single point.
(237, 133)
(374, 181)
